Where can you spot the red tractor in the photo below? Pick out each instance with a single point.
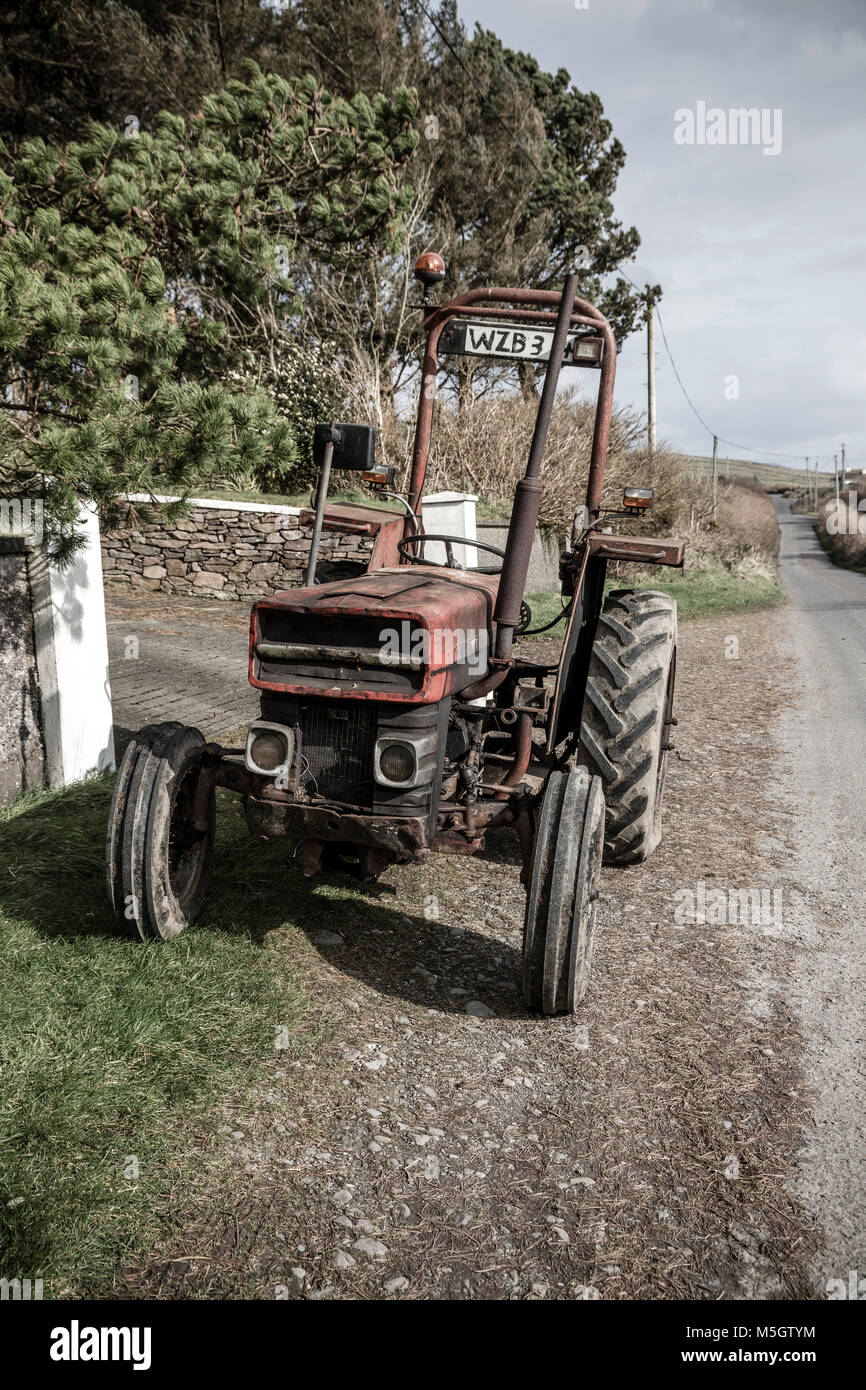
(396, 720)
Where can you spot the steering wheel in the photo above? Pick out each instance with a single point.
(404, 548)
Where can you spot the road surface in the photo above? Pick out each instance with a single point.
(697, 1132)
(172, 659)
(823, 733)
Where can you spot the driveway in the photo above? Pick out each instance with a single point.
(823, 762)
(171, 659)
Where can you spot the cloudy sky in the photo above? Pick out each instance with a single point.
(762, 258)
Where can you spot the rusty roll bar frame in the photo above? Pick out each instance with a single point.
(564, 311)
(478, 303)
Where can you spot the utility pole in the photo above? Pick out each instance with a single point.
(836, 475)
(650, 371)
(843, 465)
(808, 482)
(715, 477)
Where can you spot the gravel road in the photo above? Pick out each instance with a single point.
(823, 743)
(441, 1143)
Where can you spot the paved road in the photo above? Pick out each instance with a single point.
(171, 659)
(825, 738)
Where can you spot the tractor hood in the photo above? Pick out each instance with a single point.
(410, 634)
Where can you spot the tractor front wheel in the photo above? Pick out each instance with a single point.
(160, 833)
(559, 925)
(627, 713)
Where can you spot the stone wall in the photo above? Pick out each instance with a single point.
(222, 550)
(243, 550)
(21, 749)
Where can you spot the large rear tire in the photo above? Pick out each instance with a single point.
(160, 833)
(559, 925)
(627, 713)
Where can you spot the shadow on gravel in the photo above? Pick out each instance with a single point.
(502, 847)
(53, 851)
(408, 957)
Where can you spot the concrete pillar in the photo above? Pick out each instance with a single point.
(72, 660)
(451, 514)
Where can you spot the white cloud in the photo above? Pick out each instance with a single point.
(761, 259)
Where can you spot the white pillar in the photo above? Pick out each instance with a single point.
(72, 660)
(451, 514)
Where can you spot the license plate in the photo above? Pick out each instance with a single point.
(517, 342)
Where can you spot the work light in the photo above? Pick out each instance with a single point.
(395, 763)
(269, 748)
(637, 499)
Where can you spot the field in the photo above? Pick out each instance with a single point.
(770, 475)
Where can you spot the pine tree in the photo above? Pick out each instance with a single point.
(144, 274)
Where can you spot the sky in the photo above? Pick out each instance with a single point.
(761, 257)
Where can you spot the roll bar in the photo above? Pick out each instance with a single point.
(543, 312)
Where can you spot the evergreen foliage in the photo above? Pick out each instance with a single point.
(146, 285)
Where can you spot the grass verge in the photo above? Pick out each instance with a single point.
(113, 1049)
(699, 593)
(366, 496)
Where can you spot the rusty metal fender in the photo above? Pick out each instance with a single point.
(643, 550)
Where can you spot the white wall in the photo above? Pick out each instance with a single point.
(451, 514)
(72, 661)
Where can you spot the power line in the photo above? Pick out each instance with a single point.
(517, 145)
(695, 410)
(732, 444)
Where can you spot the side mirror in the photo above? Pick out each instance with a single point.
(637, 499)
(354, 446)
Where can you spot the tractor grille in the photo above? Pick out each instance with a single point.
(337, 744)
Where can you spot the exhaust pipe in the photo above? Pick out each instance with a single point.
(527, 496)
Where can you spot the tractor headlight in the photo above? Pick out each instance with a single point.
(270, 748)
(395, 763)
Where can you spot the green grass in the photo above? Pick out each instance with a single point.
(366, 496)
(703, 593)
(699, 593)
(113, 1048)
(545, 607)
(496, 509)
(486, 510)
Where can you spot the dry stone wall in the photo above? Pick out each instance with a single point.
(220, 551)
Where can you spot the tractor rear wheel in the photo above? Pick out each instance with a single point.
(160, 834)
(627, 713)
(559, 926)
